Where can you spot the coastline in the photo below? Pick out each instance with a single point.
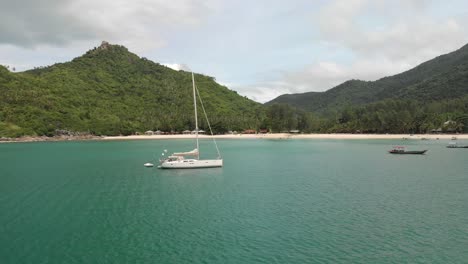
(296, 136)
(242, 136)
(52, 139)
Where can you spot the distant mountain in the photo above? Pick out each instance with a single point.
(112, 91)
(444, 77)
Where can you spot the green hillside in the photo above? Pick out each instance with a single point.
(442, 78)
(111, 91)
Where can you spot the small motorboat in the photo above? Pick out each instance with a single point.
(148, 164)
(402, 150)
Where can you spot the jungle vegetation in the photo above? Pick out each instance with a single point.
(111, 91)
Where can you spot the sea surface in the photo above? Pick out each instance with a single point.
(274, 201)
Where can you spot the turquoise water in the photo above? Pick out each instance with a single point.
(275, 201)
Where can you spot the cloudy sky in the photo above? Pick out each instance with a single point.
(259, 48)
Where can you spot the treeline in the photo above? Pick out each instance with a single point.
(111, 91)
(402, 116)
(388, 116)
(442, 78)
(284, 118)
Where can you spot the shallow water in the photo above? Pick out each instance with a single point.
(274, 201)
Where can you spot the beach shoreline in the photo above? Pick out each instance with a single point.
(295, 136)
(241, 136)
(49, 139)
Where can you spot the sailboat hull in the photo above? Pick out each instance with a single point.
(191, 164)
(178, 160)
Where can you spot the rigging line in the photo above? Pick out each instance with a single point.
(207, 121)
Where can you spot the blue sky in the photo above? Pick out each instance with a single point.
(259, 48)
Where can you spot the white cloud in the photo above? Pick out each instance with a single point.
(38, 33)
(319, 77)
(262, 92)
(177, 66)
(142, 24)
(324, 75)
(402, 41)
(265, 50)
(408, 32)
(139, 24)
(28, 23)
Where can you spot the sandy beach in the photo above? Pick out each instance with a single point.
(297, 136)
(244, 136)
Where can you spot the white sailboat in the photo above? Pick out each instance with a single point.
(191, 159)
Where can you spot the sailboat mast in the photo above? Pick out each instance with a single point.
(196, 116)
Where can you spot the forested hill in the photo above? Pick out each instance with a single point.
(444, 77)
(111, 91)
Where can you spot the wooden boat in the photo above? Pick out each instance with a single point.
(402, 150)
